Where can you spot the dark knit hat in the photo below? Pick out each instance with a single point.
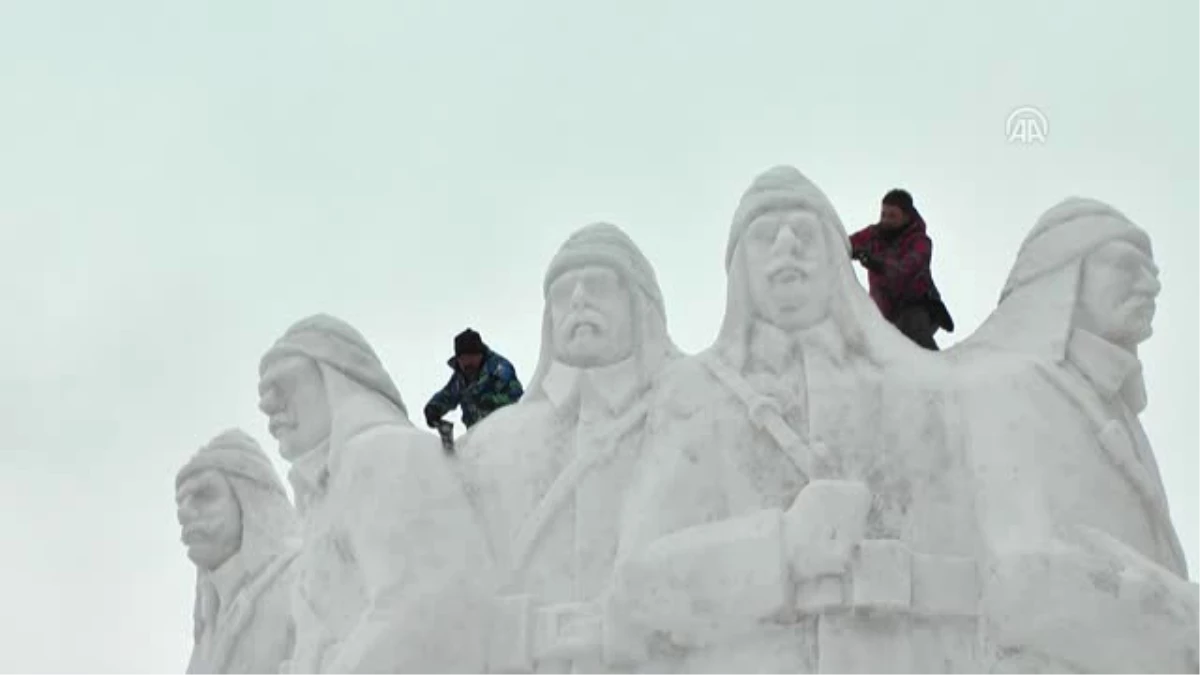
(468, 342)
(900, 199)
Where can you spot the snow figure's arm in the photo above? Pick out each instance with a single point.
(1097, 607)
(717, 580)
(423, 560)
(1057, 596)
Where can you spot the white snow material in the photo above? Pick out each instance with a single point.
(811, 493)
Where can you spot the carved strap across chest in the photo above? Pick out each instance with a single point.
(766, 415)
(566, 482)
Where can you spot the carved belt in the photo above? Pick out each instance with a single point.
(887, 576)
(524, 633)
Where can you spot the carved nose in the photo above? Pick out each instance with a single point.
(268, 404)
(577, 296)
(185, 514)
(785, 240)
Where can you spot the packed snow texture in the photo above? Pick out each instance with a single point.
(812, 493)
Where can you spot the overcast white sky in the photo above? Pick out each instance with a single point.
(181, 181)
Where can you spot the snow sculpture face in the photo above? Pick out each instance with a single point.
(1117, 293)
(592, 317)
(790, 282)
(292, 395)
(210, 519)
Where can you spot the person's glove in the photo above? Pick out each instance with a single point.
(868, 261)
(432, 418)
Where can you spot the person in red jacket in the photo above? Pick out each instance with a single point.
(897, 252)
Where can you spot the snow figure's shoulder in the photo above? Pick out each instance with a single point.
(392, 450)
(686, 386)
(505, 430)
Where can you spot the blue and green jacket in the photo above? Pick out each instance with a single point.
(495, 386)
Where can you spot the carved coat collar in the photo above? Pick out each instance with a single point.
(309, 475)
(614, 387)
(776, 350)
(1113, 371)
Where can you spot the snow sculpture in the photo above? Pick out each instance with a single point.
(1088, 573)
(548, 473)
(393, 571)
(799, 506)
(812, 493)
(240, 531)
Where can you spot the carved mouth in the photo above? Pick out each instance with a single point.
(585, 325)
(1143, 304)
(584, 328)
(194, 534)
(786, 274)
(278, 424)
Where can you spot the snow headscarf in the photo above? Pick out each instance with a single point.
(360, 393)
(336, 344)
(860, 327)
(1036, 311)
(270, 526)
(607, 245)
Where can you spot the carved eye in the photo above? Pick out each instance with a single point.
(205, 493)
(562, 288)
(601, 283)
(763, 231)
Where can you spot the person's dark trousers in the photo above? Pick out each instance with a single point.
(916, 322)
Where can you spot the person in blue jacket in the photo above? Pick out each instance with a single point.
(482, 382)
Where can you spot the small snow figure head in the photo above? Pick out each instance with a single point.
(228, 499)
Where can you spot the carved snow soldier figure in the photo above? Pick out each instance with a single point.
(809, 431)
(393, 573)
(548, 474)
(241, 532)
(1070, 491)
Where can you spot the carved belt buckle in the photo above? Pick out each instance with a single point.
(568, 631)
(760, 407)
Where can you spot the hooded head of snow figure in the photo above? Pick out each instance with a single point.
(1093, 263)
(1085, 271)
(788, 262)
(234, 515)
(603, 308)
(320, 384)
(229, 500)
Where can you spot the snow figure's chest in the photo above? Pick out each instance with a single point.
(577, 495)
(329, 574)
